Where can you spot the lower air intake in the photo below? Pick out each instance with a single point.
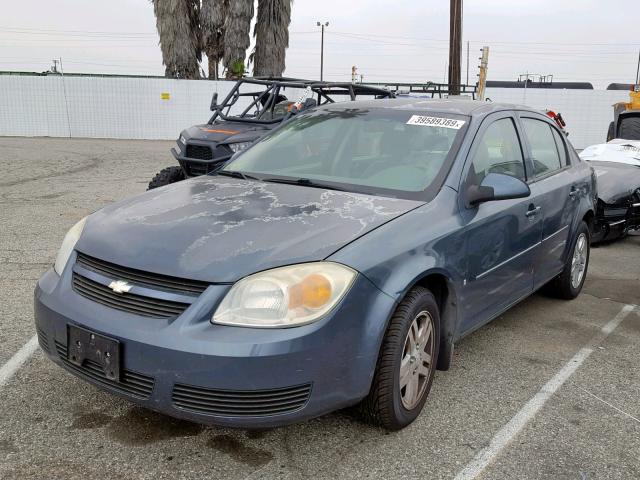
(244, 403)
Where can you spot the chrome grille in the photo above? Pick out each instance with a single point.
(129, 302)
(140, 277)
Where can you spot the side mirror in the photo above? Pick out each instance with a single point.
(496, 186)
(214, 102)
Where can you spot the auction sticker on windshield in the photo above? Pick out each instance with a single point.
(435, 122)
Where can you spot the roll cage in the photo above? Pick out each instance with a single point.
(261, 108)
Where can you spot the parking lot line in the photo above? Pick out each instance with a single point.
(9, 369)
(504, 436)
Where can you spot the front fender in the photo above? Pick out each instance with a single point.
(427, 241)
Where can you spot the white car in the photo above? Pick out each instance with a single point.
(617, 150)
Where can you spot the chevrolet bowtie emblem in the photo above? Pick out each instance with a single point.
(120, 286)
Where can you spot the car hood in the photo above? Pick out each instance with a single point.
(227, 131)
(219, 229)
(617, 182)
(615, 151)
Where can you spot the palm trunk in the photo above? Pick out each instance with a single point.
(212, 22)
(237, 36)
(178, 29)
(272, 37)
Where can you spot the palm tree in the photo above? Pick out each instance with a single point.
(212, 21)
(179, 31)
(272, 37)
(237, 36)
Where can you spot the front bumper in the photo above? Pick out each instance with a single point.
(220, 375)
(195, 167)
(615, 221)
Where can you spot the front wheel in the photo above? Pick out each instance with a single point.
(569, 283)
(406, 364)
(166, 176)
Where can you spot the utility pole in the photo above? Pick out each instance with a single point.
(467, 63)
(64, 92)
(322, 24)
(455, 46)
(482, 80)
(638, 70)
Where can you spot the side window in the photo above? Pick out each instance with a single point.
(562, 149)
(544, 151)
(498, 151)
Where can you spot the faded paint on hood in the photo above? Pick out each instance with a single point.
(221, 229)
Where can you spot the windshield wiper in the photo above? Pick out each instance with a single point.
(235, 174)
(304, 182)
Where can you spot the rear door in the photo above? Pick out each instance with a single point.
(554, 186)
(500, 236)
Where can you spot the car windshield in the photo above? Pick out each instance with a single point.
(386, 151)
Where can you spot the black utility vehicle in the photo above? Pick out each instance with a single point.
(259, 105)
(626, 117)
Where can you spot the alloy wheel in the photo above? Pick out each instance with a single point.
(579, 260)
(417, 360)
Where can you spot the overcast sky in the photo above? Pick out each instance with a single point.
(403, 40)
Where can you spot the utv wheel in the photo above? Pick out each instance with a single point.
(569, 283)
(166, 176)
(406, 364)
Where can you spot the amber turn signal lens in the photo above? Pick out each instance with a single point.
(313, 291)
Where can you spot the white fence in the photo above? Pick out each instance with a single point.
(158, 108)
(587, 112)
(102, 107)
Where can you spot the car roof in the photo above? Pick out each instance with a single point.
(460, 106)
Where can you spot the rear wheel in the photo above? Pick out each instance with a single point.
(166, 176)
(610, 133)
(569, 283)
(630, 128)
(406, 364)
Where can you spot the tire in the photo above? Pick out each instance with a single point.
(564, 286)
(610, 133)
(166, 176)
(388, 404)
(630, 128)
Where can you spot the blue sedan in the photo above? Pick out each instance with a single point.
(336, 262)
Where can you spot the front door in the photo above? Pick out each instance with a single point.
(500, 236)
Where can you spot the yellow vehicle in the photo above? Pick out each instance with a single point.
(626, 118)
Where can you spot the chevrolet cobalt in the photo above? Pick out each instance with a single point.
(336, 262)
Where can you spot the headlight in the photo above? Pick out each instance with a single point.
(285, 297)
(68, 244)
(182, 140)
(236, 147)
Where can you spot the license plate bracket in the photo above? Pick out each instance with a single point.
(85, 345)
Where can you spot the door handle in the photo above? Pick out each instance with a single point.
(573, 193)
(532, 212)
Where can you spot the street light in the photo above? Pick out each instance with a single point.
(321, 24)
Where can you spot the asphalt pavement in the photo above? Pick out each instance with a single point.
(550, 390)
